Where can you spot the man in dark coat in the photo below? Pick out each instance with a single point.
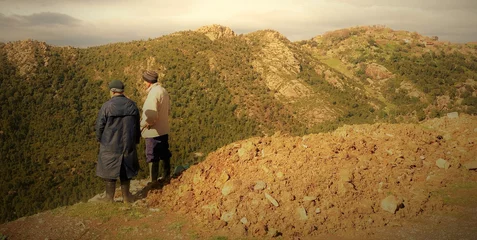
(118, 132)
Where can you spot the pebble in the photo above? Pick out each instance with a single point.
(230, 187)
(390, 204)
(301, 213)
(271, 199)
(309, 198)
(260, 185)
(441, 163)
(227, 216)
(272, 232)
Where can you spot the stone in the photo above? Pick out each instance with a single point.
(245, 151)
(272, 232)
(230, 187)
(223, 178)
(244, 220)
(317, 210)
(471, 165)
(260, 185)
(390, 204)
(301, 212)
(227, 216)
(309, 198)
(453, 115)
(441, 163)
(271, 199)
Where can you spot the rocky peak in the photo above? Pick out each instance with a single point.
(216, 31)
(23, 54)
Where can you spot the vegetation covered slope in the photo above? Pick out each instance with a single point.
(224, 87)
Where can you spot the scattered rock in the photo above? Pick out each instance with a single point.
(271, 199)
(301, 212)
(224, 177)
(390, 204)
(309, 198)
(260, 185)
(272, 232)
(453, 115)
(356, 164)
(231, 186)
(227, 216)
(441, 163)
(471, 165)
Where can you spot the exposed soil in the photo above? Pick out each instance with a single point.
(358, 177)
(377, 181)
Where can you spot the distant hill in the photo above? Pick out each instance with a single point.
(225, 87)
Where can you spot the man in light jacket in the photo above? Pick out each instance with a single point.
(155, 126)
(118, 132)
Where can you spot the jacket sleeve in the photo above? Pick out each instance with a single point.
(149, 110)
(100, 123)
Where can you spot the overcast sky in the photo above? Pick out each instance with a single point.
(82, 23)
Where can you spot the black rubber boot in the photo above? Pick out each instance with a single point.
(127, 196)
(153, 171)
(110, 187)
(167, 169)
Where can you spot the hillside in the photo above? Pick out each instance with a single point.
(380, 181)
(225, 88)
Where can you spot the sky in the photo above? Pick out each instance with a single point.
(84, 23)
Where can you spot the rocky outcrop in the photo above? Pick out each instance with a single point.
(377, 72)
(214, 32)
(279, 67)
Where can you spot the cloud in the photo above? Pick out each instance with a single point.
(89, 22)
(39, 19)
(421, 4)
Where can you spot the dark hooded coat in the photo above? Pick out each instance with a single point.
(118, 132)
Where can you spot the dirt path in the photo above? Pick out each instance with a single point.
(117, 221)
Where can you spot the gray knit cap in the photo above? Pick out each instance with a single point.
(150, 76)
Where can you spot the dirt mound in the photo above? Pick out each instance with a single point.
(357, 177)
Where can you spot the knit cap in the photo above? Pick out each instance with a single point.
(150, 76)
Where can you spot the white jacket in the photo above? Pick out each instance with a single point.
(155, 112)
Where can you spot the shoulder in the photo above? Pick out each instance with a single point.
(161, 90)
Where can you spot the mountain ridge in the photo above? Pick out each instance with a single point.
(223, 90)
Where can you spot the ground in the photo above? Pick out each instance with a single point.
(381, 181)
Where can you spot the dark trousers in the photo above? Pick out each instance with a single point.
(158, 149)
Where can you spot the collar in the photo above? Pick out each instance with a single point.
(153, 85)
(119, 95)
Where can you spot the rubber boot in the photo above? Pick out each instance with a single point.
(153, 171)
(110, 187)
(167, 169)
(127, 196)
